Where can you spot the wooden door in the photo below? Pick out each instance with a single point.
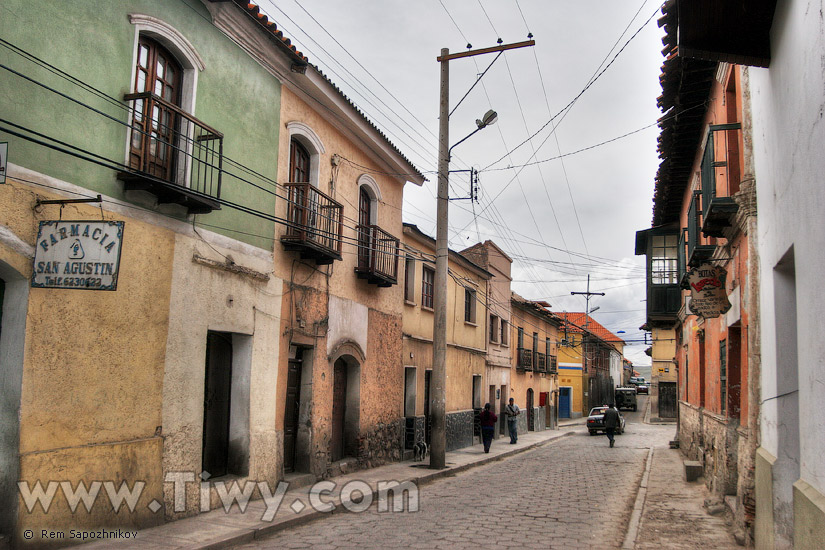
(154, 142)
(339, 405)
(291, 410)
(427, 419)
(218, 384)
(530, 419)
(364, 220)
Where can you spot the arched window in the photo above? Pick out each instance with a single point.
(154, 123)
(299, 168)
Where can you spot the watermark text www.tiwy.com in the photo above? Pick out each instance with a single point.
(324, 496)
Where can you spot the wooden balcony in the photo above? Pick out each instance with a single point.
(315, 222)
(541, 362)
(377, 256)
(524, 358)
(552, 364)
(173, 155)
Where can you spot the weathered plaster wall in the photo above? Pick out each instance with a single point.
(208, 298)
(787, 138)
(85, 369)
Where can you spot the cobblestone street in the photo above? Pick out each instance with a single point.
(572, 493)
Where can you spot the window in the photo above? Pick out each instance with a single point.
(664, 263)
(505, 333)
(155, 124)
(535, 344)
(494, 329)
(427, 283)
(409, 280)
(298, 162)
(469, 305)
(547, 348)
(520, 338)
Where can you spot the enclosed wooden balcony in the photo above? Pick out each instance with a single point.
(377, 256)
(524, 358)
(541, 362)
(172, 155)
(314, 224)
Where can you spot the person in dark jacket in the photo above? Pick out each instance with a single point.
(488, 426)
(611, 422)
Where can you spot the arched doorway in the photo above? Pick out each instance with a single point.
(346, 407)
(531, 424)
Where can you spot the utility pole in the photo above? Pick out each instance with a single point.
(438, 392)
(587, 296)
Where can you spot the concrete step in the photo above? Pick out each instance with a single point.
(297, 480)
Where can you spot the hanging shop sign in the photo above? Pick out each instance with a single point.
(78, 255)
(708, 296)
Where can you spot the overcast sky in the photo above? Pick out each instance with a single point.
(560, 219)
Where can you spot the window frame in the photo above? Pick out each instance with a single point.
(427, 287)
(495, 329)
(409, 280)
(470, 299)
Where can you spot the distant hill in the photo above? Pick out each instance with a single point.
(643, 371)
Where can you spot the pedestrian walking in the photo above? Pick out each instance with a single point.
(512, 411)
(488, 426)
(611, 421)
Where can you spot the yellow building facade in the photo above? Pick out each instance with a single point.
(466, 339)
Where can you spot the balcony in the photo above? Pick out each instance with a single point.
(377, 256)
(524, 359)
(541, 362)
(315, 223)
(696, 253)
(720, 178)
(173, 155)
(552, 364)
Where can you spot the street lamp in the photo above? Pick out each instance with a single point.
(438, 409)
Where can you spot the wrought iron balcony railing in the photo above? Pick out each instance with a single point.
(524, 358)
(377, 256)
(314, 225)
(173, 155)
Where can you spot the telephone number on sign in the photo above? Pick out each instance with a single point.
(75, 282)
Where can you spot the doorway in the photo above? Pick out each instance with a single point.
(346, 403)
(216, 403)
(428, 375)
(564, 401)
(292, 410)
(531, 421)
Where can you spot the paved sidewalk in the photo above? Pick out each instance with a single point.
(219, 529)
(670, 512)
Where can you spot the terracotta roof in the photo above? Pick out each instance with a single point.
(284, 43)
(576, 321)
(254, 11)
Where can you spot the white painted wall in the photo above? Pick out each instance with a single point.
(788, 111)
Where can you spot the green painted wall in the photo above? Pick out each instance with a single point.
(94, 42)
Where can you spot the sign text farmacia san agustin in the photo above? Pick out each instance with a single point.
(78, 254)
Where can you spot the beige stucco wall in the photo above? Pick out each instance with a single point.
(663, 352)
(207, 298)
(90, 405)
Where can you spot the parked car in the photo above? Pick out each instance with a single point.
(636, 380)
(641, 388)
(595, 421)
(626, 398)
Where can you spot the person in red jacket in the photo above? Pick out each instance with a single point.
(488, 426)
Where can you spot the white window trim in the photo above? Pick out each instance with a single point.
(374, 193)
(307, 137)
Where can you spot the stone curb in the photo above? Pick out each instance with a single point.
(245, 535)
